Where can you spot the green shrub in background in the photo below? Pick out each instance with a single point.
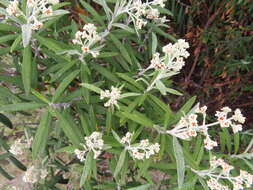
(100, 85)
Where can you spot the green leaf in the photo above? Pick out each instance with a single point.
(236, 142)
(121, 48)
(106, 73)
(5, 174)
(86, 169)
(154, 43)
(178, 152)
(8, 27)
(41, 135)
(63, 85)
(116, 136)
(21, 106)
(203, 183)
(120, 163)
(138, 118)
(5, 120)
(7, 38)
(16, 43)
(70, 129)
(91, 87)
(93, 12)
(130, 80)
(26, 69)
(5, 92)
(141, 187)
(50, 43)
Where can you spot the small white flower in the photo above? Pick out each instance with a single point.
(113, 96)
(236, 127)
(48, 11)
(127, 138)
(34, 175)
(144, 149)
(238, 116)
(209, 143)
(53, 1)
(12, 8)
(201, 110)
(37, 25)
(140, 23)
(93, 143)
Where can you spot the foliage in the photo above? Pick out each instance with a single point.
(100, 78)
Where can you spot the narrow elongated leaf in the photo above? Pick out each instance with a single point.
(5, 120)
(86, 169)
(138, 118)
(141, 187)
(8, 27)
(7, 38)
(106, 73)
(154, 43)
(63, 85)
(121, 48)
(70, 129)
(178, 152)
(26, 69)
(120, 163)
(16, 43)
(41, 135)
(21, 106)
(91, 87)
(93, 12)
(5, 174)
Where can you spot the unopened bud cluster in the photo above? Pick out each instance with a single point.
(188, 125)
(86, 38)
(34, 174)
(93, 143)
(142, 150)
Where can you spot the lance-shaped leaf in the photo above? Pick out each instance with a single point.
(41, 135)
(120, 163)
(5, 120)
(86, 169)
(21, 106)
(63, 85)
(26, 69)
(179, 155)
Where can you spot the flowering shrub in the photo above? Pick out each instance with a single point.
(101, 90)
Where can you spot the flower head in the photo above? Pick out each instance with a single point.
(113, 96)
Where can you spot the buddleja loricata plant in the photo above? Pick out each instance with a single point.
(103, 88)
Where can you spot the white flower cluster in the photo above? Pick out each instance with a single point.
(142, 150)
(87, 38)
(174, 57)
(113, 96)
(12, 8)
(37, 11)
(235, 121)
(93, 143)
(219, 169)
(20, 146)
(140, 12)
(34, 175)
(188, 126)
